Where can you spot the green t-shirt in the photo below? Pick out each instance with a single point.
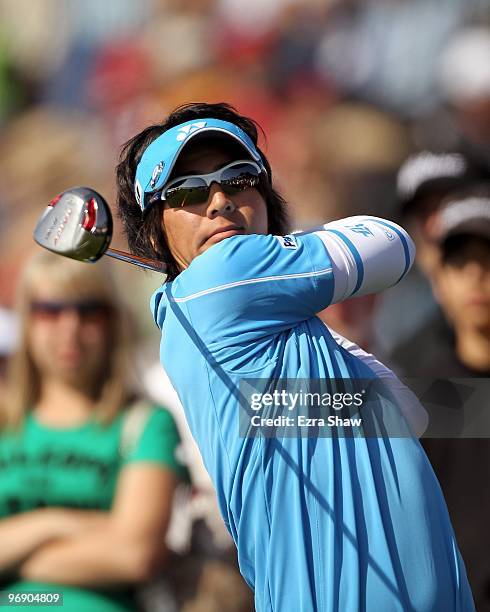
(77, 468)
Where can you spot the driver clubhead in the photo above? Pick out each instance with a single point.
(77, 224)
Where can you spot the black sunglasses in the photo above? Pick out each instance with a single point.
(194, 189)
(85, 309)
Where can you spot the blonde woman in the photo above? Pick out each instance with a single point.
(83, 506)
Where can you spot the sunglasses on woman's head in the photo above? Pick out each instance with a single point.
(195, 189)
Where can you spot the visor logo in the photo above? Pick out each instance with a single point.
(137, 192)
(187, 130)
(155, 175)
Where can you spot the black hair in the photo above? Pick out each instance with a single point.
(144, 232)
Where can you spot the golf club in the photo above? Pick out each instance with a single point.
(78, 224)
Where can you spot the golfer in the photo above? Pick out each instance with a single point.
(321, 522)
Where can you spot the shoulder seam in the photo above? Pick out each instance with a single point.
(250, 281)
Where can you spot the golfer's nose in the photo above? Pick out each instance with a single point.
(219, 202)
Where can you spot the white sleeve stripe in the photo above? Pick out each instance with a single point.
(250, 281)
(356, 256)
(342, 260)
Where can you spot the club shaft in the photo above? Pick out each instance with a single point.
(142, 262)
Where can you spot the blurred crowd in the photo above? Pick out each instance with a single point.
(368, 106)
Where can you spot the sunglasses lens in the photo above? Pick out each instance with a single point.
(240, 177)
(52, 310)
(47, 310)
(191, 190)
(195, 189)
(91, 309)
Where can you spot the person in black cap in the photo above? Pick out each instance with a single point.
(462, 282)
(423, 183)
(462, 465)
